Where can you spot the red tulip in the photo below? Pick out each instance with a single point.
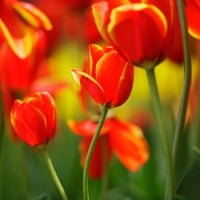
(108, 78)
(143, 33)
(136, 30)
(34, 118)
(123, 139)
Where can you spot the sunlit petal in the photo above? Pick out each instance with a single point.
(32, 15)
(21, 46)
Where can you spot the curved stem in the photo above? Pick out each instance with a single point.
(90, 151)
(186, 87)
(104, 182)
(1, 117)
(54, 174)
(170, 187)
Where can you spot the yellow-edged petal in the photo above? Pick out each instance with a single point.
(33, 15)
(21, 46)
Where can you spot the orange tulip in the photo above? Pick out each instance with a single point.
(123, 139)
(34, 118)
(108, 78)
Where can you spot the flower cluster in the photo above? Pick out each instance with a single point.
(115, 42)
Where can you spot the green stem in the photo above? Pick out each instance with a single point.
(186, 86)
(53, 174)
(104, 182)
(170, 187)
(2, 123)
(90, 151)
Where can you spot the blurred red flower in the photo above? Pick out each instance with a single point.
(34, 118)
(18, 22)
(21, 76)
(121, 138)
(72, 20)
(17, 73)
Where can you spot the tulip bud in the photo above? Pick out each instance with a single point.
(108, 78)
(34, 118)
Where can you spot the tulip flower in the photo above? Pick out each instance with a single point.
(34, 118)
(18, 21)
(123, 139)
(136, 30)
(108, 78)
(143, 33)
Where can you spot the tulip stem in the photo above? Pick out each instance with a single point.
(1, 117)
(186, 87)
(54, 174)
(104, 183)
(90, 151)
(164, 136)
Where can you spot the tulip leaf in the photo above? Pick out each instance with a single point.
(189, 185)
(43, 197)
(119, 193)
(13, 182)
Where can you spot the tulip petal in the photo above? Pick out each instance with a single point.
(108, 72)
(95, 52)
(21, 46)
(100, 12)
(192, 9)
(99, 157)
(90, 85)
(85, 128)
(17, 76)
(128, 144)
(49, 111)
(125, 84)
(32, 15)
(31, 118)
(111, 75)
(28, 123)
(17, 33)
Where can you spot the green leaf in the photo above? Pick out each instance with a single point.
(13, 181)
(189, 184)
(43, 197)
(120, 193)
